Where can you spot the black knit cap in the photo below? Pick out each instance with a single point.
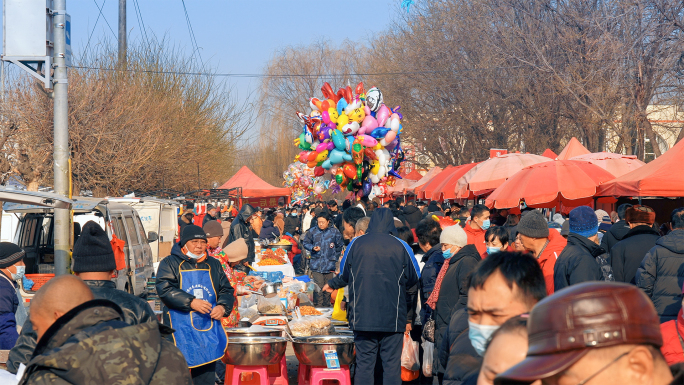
(191, 232)
(10, 254)
(93, 251)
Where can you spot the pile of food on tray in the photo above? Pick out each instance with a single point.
(273, 257)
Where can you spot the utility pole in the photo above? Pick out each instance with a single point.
(61, 137)
(122, 32)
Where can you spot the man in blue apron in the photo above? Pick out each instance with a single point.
(196, 294)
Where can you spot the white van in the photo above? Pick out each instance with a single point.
(35, 234)
(160, 216)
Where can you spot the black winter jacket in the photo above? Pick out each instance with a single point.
(379, 270)
(453, 295)
(661, 274)
(291, 224)
(457, 354)
(413, 215)
(168, 283)
(614, 235)
(135, 311)
(627, 254)
(433, 263)
(577, 263)
(240, 228)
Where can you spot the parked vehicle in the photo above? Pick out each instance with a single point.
(35, 234)
(160, 216)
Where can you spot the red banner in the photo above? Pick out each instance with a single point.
(264, 202)
(496, 152)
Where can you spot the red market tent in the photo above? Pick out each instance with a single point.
(255, 187)
(573, 149)
(549, 154)
(413, 175)
(661, 177)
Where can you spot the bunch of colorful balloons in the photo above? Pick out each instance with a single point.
(353, 136)
(303, 184)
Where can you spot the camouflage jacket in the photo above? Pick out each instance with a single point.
(91, 344)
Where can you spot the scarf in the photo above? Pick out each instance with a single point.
(434, 296)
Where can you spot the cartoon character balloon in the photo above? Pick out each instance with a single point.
(350, 140)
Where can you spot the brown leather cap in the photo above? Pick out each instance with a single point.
(563, 327)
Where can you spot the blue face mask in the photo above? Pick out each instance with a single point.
(19, 274)
(446, 254)
(479, 336)
(492, 250)
(486, 224)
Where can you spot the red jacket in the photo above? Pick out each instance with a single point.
(548, 257)
(477, 238)
(295, 248)
(672, 346)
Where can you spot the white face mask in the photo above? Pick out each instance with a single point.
(194, 256)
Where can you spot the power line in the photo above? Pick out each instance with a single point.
(85, 51)
(141, 22)
(192, 35)
(105, 18)
(299, 75)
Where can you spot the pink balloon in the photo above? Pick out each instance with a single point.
(369, 124)
(326, 117)
(367, 141)
(322, 147)
(382, 115)
(389, 137)
(366, 110)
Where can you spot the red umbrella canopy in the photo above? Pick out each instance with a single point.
(432, 183)
(616, 164)
(571, 182)
(491, 173)
(446, 189)
(426, 178)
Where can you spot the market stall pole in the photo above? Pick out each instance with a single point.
(567, 182)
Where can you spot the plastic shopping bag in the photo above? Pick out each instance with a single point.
(428, 350)
(410, 359)
(339, 314)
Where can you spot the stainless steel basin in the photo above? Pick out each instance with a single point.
(255, 350)
(310, 350)
(253, 332)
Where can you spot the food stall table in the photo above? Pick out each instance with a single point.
(287, 269)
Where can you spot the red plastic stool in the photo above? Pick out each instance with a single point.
(278, 373)
(236, 370)
(319, 375)
(303, 374)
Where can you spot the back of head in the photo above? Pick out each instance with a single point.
(352, 214)
(583, 221)
(393, 205)
(405, 234)
(517, 324)
(677, 218)
(639, 214)
(521, 270)
(362, 225)
(93, 252)
(58, 296)
(622, 210)
(399, 201)
(428, 232)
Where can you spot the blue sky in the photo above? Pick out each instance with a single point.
(235, 36)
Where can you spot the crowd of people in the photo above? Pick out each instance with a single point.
(500, 296)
